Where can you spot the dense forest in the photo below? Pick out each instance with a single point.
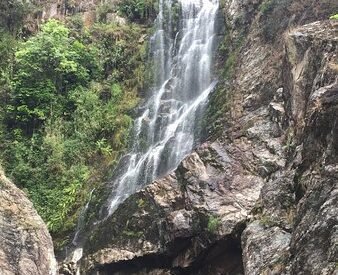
(68, 94)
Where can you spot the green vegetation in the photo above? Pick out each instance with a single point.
(66, 110)
(132, 234)
(213, 224)
(267, 6)
(12, 14)
(267, 221)
(334, 17)
(138, 10)
(58, 65)
(141, 203)
(141, 11)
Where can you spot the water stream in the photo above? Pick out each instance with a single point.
(165, 132)
(182, 49)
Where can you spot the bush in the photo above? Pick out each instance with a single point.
(13, 13)
(47, 67)
(138, 10)
(68, 118)
(213, 224)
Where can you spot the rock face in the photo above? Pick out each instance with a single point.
(26, 246)
(261, 196)
(169, 224)
(314, 243)
(87, 11)
(301, 201)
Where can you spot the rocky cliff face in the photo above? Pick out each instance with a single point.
(299, 202)
(260, 197)
(26, 246)
(182, 222)
(86, 10)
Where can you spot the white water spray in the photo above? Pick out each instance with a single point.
(182, 49)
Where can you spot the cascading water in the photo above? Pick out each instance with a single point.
(165, 133)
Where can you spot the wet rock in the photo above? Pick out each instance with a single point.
(26, 246)
(180, 217)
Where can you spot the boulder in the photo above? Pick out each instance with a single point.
(26, 246)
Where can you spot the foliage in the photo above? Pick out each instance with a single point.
(47, 67)
(75, 24)
(267, 6)
(12, 14)
(213, 224)
(132, 234)
(103, 9)
(334, 17)
(138, 10)
(123, 59)
(141, 203)
(7, 47)
(267, 221)
(70, 95)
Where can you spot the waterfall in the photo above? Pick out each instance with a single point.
(165, 132)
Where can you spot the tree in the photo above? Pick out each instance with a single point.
(47, 67)
(12, 14)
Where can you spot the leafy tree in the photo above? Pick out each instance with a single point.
(70, 94)
(7, 49)
(47, 67)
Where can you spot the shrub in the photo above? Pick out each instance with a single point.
(47, 67)
(213, 224)
(68, 118)
(138, 10)
(334, 17)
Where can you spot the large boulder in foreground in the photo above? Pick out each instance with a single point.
(26, 247)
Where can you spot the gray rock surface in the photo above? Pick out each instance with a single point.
(273, 244)
(180, 220)
(300, 201)
(26, 247)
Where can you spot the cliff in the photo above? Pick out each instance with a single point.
(26, 246)
(260, 195)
